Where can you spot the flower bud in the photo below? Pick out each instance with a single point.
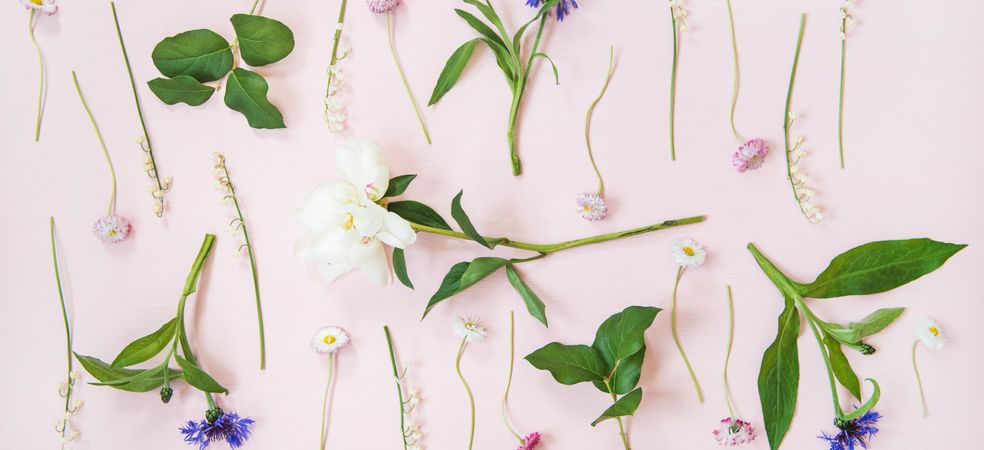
(213, 414)
(166, 393)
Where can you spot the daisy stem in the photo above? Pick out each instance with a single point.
(30, 30)
(737, 79)
(512, 357)
(786, 122)
(334, 49)
(676, 337)
(253, 9)
(102, 143)
(673, 78)
(922, 393)
(399, 388)
(727, 357)
(471, 398)
(68, 334)
(840, 102)
(587, 120)
(403, 77)
(324, 405)
(552, 248)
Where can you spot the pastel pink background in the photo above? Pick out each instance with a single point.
(914, 105)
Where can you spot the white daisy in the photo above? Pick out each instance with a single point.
(928, 332)
(111, 228)
(46, 6)
(468, 328)
(591, 206)
(688, 253)
(329, 340)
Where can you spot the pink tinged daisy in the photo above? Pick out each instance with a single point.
(329, 340)
(591, 206)
(46, 6)
(688, 253)
(732, 431)
(530, 441)
(382, 6)
(750, 155)
(111, 229)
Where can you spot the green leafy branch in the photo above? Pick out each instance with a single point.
(868, 269)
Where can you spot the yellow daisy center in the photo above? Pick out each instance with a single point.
(349, 221)
(586, 208)
(688, 251)
(935, 331)
(330, 339)
(36, 2)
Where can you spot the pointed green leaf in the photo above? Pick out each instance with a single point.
(452, 70)
(623, 334)
(398, 185)
(198, 378)
(418, 213)
(533, 303)
(778, 380)
(180, 89)
(400, 267)
(130, 380)
(459, 216)
(463, 275)
(201, 54)
(625, 406)
(840, 332)
(102, 371)
(246, 92)
(487, 11)
(146, 347)
(262, 40)
(552, 65)
(842, 367)
(569, 364)
(626, 375)
(876, 321)
(504, 60)
(868, 405)
(480, 27)
(518, 37)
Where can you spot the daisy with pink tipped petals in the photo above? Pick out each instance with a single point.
(734, 432)
(530, 441)
(750, 155)
(111, 229)
(591, 206)
(382, 6)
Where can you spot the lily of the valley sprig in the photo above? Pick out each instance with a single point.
(531, 440)
(34, 7)
(592, 206)
(929, 333)
(803, 191)
(846, 20)
(613, 363)
(731, 430)
(678, 22)
(409, 399)
(868, 269)
(66, 389)
(508, 51)
(751, 153)
(688, 254)
(385, 7)
(469, 330)
(328, 341)
(158, 187)
(109, 228)
(334, 107)
(238, 226)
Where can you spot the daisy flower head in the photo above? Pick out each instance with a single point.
(731, 431)
(469, 329)
(929, 333)
(591, 206)
(329, 340)
(564, 7)
(853, 433)
(750, 155)
(382, 6)
(688, 253)
(530, 441)
(46, 6)
(111, 229)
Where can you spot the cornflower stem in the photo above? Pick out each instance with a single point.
(590, 113)
(840, 100)
(811, 320)
(191, 285)
(512, 357)
(737, 78)
(673, 78)
(727, 357)
(324, 404)
(471, 398)
(403, 77)
(102, 143)
(399, 387)
(553, 248)
(676, 337)
(68, 333)
(786, 121)
(30, 30)
(922, 393)
(621, 426)
(334, 48)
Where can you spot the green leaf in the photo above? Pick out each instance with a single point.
(623, 334)
(198, 378)
(400, 267)
(487, 11)
(569, 364)
(533, 303)
(130, 380)
(626, 375)
(879, 266)
(504, 60)
(463, 275)
(480, 27)
(778, 380)
(842, 367)
(418, 213)
(840, 332)
(518, 37)
(480, 268)
(246, 92)
(201, 54)
(102, 371)
(459, 216)
(876, 321)
(868, 405)
(552, 65)
(625, 406)
(449, 286)
(180, 89)
(452, 70)
(262, 40)
(146, 347)
(398, 185)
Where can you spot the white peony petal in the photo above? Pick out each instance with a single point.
(396, 232)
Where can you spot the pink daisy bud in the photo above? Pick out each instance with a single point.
(111, 228)
(591, 206)
(382, 6)
(750, 155)
(530, 441)
(732, 431)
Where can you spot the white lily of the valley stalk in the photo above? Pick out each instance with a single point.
(345, 227)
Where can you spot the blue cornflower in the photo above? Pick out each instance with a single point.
(854, 433)
(563, 7)
(225, 426)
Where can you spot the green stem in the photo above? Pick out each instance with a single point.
(727, 357)
(324, 405)
(786, 122)
(922, 393)
(102, 143)
(334, 46)
(621, 426)
(811, 320)
(68, 334)
(30, 31)
(676, 337)
(403, 77)
(587, 120)
(518, 90)
(673, 78)
(253, 9)
(737, 79)
(840, 102)
(512, 357)
(471, 398)
(552, 248)
(399, 388)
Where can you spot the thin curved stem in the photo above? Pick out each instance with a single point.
(68, 333)
(512, 357)
(786, 122)
(673, 78)
(471, 398)
(840, 101)
(676, 337)
(102, 143)
(915, 368)
(587, 120)
(727, 358)
(253, 9)
(737, 79)
(324, 405)
(399, 388)
(30, 30)
(403, 77)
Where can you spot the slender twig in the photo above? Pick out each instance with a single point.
(587, 119)
(403, 77)
(922, 393)
(727, 357)
(840, 101)
(471, 398)
(68, 334)
(102, 143)
(30, 29)
(673, 78)
(399, 387)
(324, 404)
(787, 121)
(676, 337)
(621, 426)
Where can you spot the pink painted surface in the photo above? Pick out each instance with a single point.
(914, 102)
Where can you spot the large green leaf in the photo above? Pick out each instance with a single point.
(778, 380)
(398, 185)
(625, 406)
(461, 276)
(480, 27)
(146, 347)
(180, 89)
(452, 70)
(459, 216)
(533, 303)
(198, 378)
(130, 380)
(868, 405)
(418, 213)
(879, 266)
(623, 334)
(400, 267)
(876, 321)
(626, 376)
(262, 40)
(842, 367)
(569, 364)
(103, 371)
(201, 54)
(246, 92)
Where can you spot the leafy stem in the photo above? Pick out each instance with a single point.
(587, 119)
(399, 387)
(30, 30)
(471, 398)
(621, 426)
(403, 77)
(102, 143)
(68, 334)
(676, 337)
